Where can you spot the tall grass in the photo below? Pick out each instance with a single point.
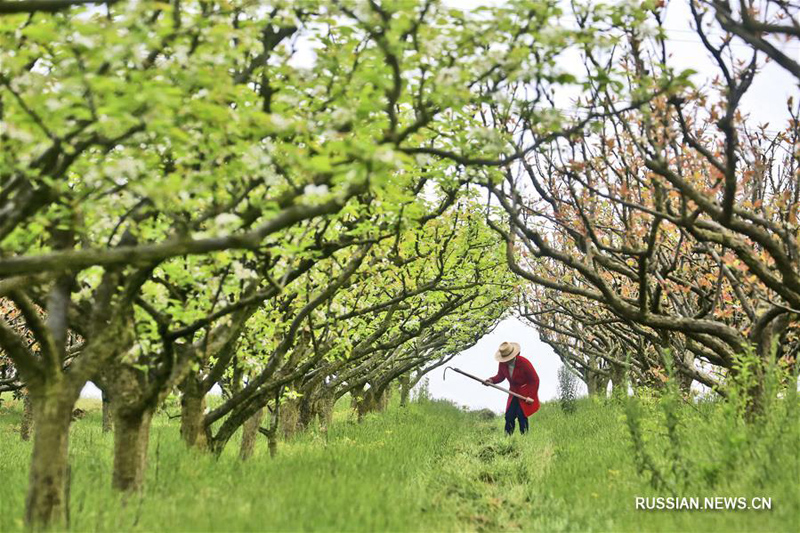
(427, 467)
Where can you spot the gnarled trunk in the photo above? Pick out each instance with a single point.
(684, 380)
(131, 435)
(47, 502)
(405, 389)
(767, 345)
(289, 418)
(26, 425)
(596, 384)
(618, 382)
(250, 434)
(193, 406)
(383, 399)
(364, 402)
(316, 405)
(307, 411)
(273, 444)
(326, 404)
(107, 415)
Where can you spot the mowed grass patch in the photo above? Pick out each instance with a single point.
(576, 472)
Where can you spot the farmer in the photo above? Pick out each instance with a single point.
(524, 381)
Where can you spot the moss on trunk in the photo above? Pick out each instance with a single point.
(193, 405)
(250, 434)
(108, 424)
(26, 425)
(47, 502)
(131, 435)
(289, 418)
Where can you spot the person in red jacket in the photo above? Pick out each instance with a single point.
(524, 381)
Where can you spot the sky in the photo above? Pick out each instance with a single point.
(766, 102)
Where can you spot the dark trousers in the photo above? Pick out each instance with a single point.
(513, 413)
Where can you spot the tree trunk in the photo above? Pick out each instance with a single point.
(306, 412)
(107, 415)
(685, 383)
(289, 418)
(364, 402)
(405, 389)
(596, 384)
(591, 384)
(272, 436)
(273, 445)
(356, 399)
(618, 384)
(383, 399)
(131, 435)
(193, 406)
(767, 345)
(326, 405)
(26, 426)
(47, 502)
(239, 416)
(249, 434)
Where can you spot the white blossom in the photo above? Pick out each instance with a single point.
(180, 54)
(341, 115)
(113, 52)
(227, 221)
(448, 77)
(424, 160)
(291, 100)
(256, 158)
(82, 40)
(550, 33)
(242, 272)
(385, 154)
(125, 167)
(53, 104)
(318, 90)
(434, 46)
(23, 136)
(280, 122)
(315, 190)
(488, 138)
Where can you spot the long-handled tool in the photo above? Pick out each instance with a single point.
(520, 396)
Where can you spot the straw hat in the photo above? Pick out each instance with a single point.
(507, 352)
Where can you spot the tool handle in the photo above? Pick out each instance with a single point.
(498, 387)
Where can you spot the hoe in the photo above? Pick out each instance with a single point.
(444, 377)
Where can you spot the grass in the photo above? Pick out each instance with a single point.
(426, 467)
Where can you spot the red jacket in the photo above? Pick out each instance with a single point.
(524, 381)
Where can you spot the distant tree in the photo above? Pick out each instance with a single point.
(567, 389)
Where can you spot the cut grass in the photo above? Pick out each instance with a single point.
(426, 467)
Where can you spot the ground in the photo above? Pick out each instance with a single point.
(428, 466)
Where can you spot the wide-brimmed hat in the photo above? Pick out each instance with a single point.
(507, 351)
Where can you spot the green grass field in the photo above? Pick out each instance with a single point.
(425, 467)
